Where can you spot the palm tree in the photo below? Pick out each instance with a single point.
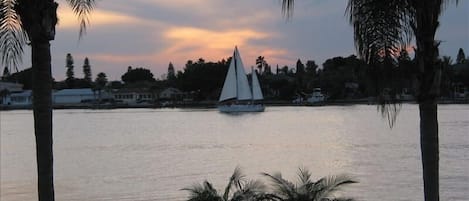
(307, 189)
(32, 22)
(381, 28)
(100, 84)
(245, 190)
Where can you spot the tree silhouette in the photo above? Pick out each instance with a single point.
(205, 78)
(243, 190)
(137, 75)
(461, 58)
(260, 64)
(87, 70)
(300, 74)
(70, 74)
(100, 83)
(171, 72)
(69, 66)
(101, 80)
(306, 189)
(33, 22)
(381, 28)
(6, 73)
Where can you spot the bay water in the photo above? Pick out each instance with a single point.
(151, 154)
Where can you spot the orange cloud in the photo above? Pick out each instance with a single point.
(68, 19)
(196, 42)
(189, 43)
(194, 5)
(122, 59)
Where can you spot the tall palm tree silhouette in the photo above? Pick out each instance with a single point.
(381, 28)
(32, 22)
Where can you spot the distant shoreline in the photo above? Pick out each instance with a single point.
(213, 104)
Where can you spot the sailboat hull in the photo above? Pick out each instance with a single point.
(241, 108)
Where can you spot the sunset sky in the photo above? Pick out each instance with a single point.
(152, 33)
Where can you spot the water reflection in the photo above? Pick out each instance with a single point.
(149, 154)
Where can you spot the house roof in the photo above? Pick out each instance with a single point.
(133, 90)
(23, 93)
(171, 90)
(74, 92)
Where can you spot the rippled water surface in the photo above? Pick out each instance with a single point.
(150, 154)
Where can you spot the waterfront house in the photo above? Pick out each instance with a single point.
(76, 96)
(133, 96)
(171, 93)
(6, 88)
(23, 98)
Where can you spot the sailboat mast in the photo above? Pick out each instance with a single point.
(236, 72)
(252, 83)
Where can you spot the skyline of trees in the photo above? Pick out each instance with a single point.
(338, 77)
(262, 66)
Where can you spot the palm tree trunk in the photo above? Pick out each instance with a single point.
(42, 106)
(429, 149)
(427, 15)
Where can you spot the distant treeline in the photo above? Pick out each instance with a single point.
(339, 78)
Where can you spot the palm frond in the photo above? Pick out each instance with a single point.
(287, 8)
(390, 112)
(202, 192)
(254, 186)
(341, 199)
(235, 179)
(327, 185)
(282, 187)
(83, 9)
(12, 35)
(251, 190)
(381, 28)
(307, 189)
(304, 176)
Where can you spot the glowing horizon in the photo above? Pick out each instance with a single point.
(150, 34)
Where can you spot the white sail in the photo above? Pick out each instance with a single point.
(236, 86)
(244, 91)
(256, 87)
(229, 90)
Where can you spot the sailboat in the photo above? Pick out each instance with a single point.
(237, 95)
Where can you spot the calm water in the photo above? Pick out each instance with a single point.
(150, 154)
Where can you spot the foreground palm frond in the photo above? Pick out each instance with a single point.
(203, 192)
(306, 189)
(381, 28)
(283, 188)
(235, 180)
(328, 185)
(287, 8)
(83, 9)
(243, 190)
(12, 36)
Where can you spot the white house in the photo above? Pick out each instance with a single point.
(132, 96)
(23, 98)
(171, 93)
(74, 96)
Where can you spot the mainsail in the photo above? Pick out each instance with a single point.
(236, 84)
(244, 91)
(229, 90)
